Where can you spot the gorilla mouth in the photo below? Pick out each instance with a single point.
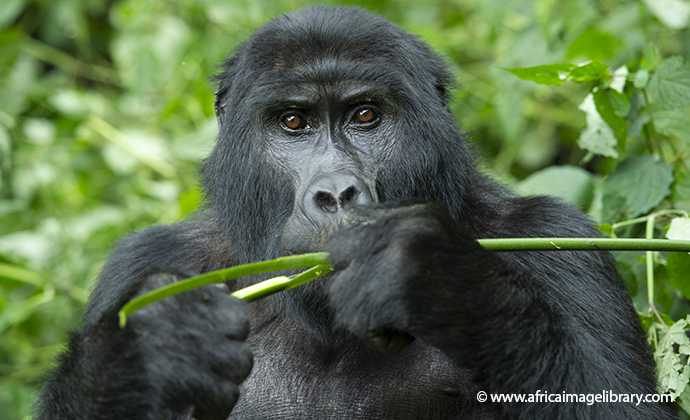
(302, 235)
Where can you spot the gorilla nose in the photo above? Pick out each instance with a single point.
(330, 194)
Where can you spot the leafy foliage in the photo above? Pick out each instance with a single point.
(643, 104)
(106, 111)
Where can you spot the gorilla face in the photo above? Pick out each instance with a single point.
(315, 117)
(331, 142)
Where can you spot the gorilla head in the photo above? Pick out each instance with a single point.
(314, 116)
(320, 110)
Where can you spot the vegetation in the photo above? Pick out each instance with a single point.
(106, 111)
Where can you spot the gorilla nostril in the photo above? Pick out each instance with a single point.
(326, 201)
(348, 196)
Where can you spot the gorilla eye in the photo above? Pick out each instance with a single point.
(365, 116)
(294, 121)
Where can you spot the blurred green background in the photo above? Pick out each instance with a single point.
(106, 111)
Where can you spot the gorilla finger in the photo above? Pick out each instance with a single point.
(235, 318)
(344, 246)
(234, 361)
(217, 408)
(356, 216)
(155, 280)
(387, 341)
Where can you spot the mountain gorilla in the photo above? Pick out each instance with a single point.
(335, 134)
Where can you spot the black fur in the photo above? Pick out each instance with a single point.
(398, 204)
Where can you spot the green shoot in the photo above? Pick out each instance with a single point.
(321, 265)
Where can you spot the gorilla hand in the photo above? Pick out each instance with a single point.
(193, 347)
(392, 266)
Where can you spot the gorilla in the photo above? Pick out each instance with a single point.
(335, 134)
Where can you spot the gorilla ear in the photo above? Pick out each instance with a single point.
(224, 80)
(442, 93)
(220, 108)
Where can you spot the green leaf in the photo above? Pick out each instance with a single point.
(592, 44)
(678, 336)
(555, 74)
(620, 102)
(669, 87)
(571, 183)
(77, 104)
(606, 110)
(638, 184)
(678, 267)
(10, 10)
(18, 313)
(597, 137)
(551, 74)
(641, 79)
(650, 59)
(675, 14)
(681, 187)
(589, 73)
(679, 229)
(20, 274)
(683, 400)
(189, 201)
(674, 373)
(673, 123)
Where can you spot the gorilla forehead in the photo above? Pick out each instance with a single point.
(346, 33)
(326, 80)
(324, 46)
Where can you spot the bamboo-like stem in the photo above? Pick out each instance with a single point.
(279, 284)
(584, 244)
(284, 263)
(320, 264)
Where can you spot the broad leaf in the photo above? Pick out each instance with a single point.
(592, 44)
(570, 183)
(670, 85)
(679, 229)
(673, 123)
(678, 263)
(555, 74)
(589, 73)
(673, 13)
(673, 370)
(681, 187)
(637, 185)
(606, 110)
(551, 74)
(641, 79)
(597, 137)
(620, 102)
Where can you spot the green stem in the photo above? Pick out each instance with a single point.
(649, 234)
(646, 218)
(284, 263)
(321, 265)
(660, 152)
(584, 244)
(71, 65)
(279, 284)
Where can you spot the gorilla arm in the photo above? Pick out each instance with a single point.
(183, 352)
(523, 322)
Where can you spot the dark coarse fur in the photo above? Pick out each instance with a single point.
(411, 281)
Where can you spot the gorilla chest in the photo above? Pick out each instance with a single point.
(355, 382)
